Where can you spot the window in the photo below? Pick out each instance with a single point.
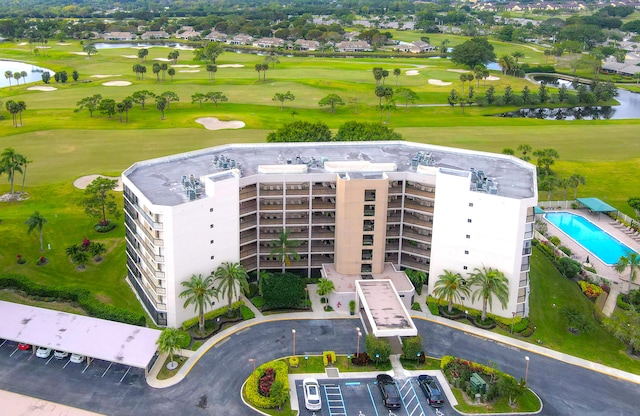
(464, 267)
(466, 252)
(365, 268)
(367, 240)
(469, 220)
(368, 225)
(367, 255)
(370, 195)
(468, 236)
(470, 204)
(369, 210)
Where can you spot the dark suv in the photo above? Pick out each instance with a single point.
(389, 391)
(430, 387)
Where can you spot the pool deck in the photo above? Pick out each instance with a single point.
(580, 254)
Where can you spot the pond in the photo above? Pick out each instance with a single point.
(34, 73)
(118, 45)
(629, 106)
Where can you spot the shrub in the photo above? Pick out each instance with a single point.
(105, 228)
(190, 323)
(589, 289)
(328, 357)
(378, 349)
(568, 268)
(280, 373)
(247, 313)
(20, 259)
(253, 290)
(621, 303)
(566, 250)
(416, 306)
(521, 326)
(294, 361)
(328, 308)
(554, 240)
(258, 301)
(283, 290)
(184, 340)
(411, 347)
(432, 304)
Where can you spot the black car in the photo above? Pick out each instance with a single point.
(389, 391)
(431, 389)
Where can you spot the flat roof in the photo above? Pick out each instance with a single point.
(160, 179)
(347, 282)
(596, 205)
(384, 309)
(96, 338)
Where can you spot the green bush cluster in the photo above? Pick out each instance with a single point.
(554, 240)
(521, 326)
(304, 131)
(253, 290)
(411, 347)
(621, 303)
(251, 388)
(247, 313)
(416, 306)
(82, 297)
(569, 268)
(566, 250)
(375, 345)
(432, 304)
(328, 355)
(184, 340)
(283, 290)
(258, 301)
(190, 323)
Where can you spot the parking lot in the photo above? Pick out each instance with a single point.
(12, 357)
(361, 397)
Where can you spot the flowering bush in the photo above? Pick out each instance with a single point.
(20, 260)
(266, 380)
(42, 261)
(589, 289)
(86, 243)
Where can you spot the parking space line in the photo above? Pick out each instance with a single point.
(335, 400)
(14, 351)
(50, 358)
(66, 364)
(3, 342)
(125, 374)
(410, 398)
(373, 402)
(105, 371)
(86, 366)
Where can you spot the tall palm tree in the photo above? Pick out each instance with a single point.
(576, 180)
(490, 283)
(451, 286)
(632, 261)
(36, 221)
(231, 277)
(285, 249)
(8, 75)
(397, 73)
(199, 292)
(23, 164)
(10, 164)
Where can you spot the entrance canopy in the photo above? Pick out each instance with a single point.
(596, 205)
(110, 341)
(384, 309)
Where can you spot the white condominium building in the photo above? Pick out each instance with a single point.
(357, 208)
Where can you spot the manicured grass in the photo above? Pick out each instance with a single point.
(18, 297)
(549, 288)
(528, 402)
(164, 373)
(315, 365)
(429, 364)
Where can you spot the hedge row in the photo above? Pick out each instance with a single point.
(251, 388)
(449, 359)
(82, 297)
(433, 302)
(247, 313)
(190, 323)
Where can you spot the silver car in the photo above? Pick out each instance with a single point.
(311, 389)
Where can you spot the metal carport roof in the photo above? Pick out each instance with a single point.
(596, 205)
(96, 338)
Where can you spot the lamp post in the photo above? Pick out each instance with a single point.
(358, 345)
(293, 331)
(526, 371)
(466, 314)
(513, 314)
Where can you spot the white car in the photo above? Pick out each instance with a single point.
(43, 352)
(76, 358)
(311, 389)
(60, 354)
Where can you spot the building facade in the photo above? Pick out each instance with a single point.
(354, 205)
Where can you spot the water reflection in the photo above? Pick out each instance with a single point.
(34, 73)
(119, 45)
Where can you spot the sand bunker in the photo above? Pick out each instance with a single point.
(412, 72)
(81, 183)
(212, 123)
(184, 48)
(43, 47)
(105, 76)
(186, 66)
(460, 71)
(116, 83)
(231, 66)
(63, 44)
(162, 59)
(79, 53)
(189, 70)
(438, 82)
(23, 43)
(42, 88)
(492, 78)
(130, 56)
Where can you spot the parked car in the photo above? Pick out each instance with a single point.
(24, 347)
(60, 354)
(312, 400)
(431, 390)
(43, 352)
(389, 391)
(76, 358)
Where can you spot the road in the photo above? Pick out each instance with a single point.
(213, 385)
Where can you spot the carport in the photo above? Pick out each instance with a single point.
(596, 205)
(114, 342)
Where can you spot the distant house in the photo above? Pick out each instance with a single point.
(417, 46)
(119, 36)
(307, 45)
(629, 67)
(216, 36)
(187, 32)
(240, 40)
(269, 43)
(155, 34)
(351, 36)
(355, 46)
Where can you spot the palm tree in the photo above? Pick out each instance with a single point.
(396, 72)
(168, 342)
(10, 163)
(451, 286)
(22, 106)
(199, 292)
(325, 287)
(8, 75)
(80, 257)
(576, 180)
(490, 282)
(285, 249)
(23, 164)
(97, 250)
(231, 276)
(632, 261)
(36, 221)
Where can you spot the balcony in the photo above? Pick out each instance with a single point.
(246, 236)
(297, 205)
(150, 266)
(420, 222)
(323, 204)
(250, 263)
(247, 251)
(409, 233)
(271, 205)
(248, 192)
(247, 207)
(154, 224)
(394, 203)
(270, 190)
(319, 260)
(524, 280)
(395, 188)
(320, 232)
(424, 191)
(271, 221)
(418, 251)
(413, 263)
(322, 246)
(416, 206)
(393, 231)
(323, 218)
(248, 222)
(325, 189)
(394, 218)
(302, 189)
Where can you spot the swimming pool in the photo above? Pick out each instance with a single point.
(591, 237)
